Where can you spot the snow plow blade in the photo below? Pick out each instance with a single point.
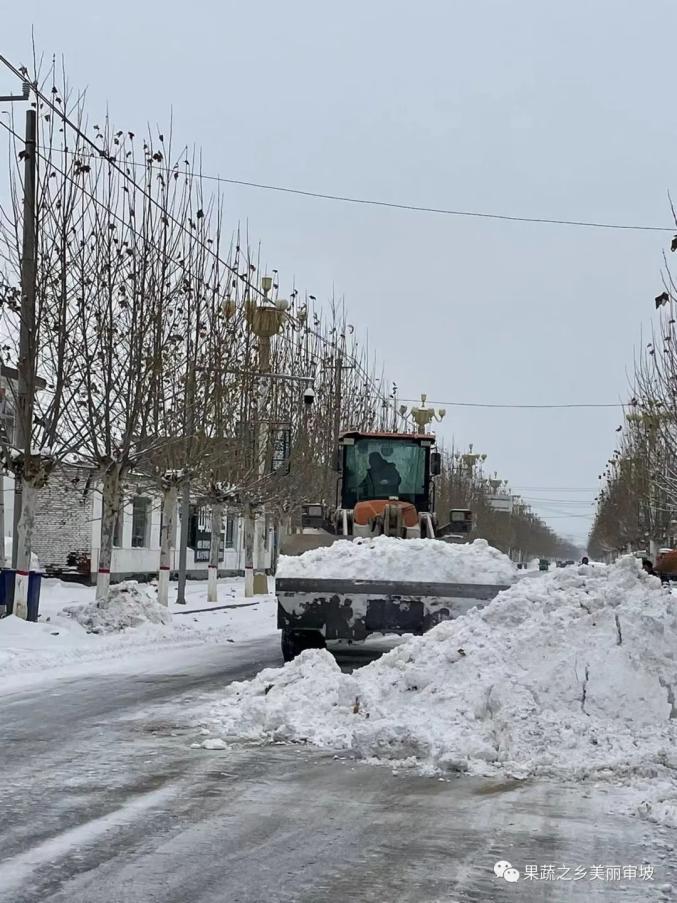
(353, 609)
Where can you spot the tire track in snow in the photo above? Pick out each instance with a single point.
(17, 870)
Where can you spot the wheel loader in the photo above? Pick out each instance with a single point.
(385, 487)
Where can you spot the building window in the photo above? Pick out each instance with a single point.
(7, 422)
(231, 531)
(119, 524)
(140, 523)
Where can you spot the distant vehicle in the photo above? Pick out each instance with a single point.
(666, 564)
(543, 564)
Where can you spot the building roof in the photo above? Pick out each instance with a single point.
(13, 374)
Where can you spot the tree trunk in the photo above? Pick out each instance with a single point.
(260, 586)
(2, 521)
(215, 545)
(24, 540)
(275, 554)
(110, 505)
(248, 518)
(167, 540)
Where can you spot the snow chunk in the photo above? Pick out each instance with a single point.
(212, 743)
(572, 674)
(389, 558)
(129, 605)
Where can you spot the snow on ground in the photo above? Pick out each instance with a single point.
(572, 675)
(74, 630)
(388, 558)
(130, 604)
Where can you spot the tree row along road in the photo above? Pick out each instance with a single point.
(104, 800)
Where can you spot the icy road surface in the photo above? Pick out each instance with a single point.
(104, 800)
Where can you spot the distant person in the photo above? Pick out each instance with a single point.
(585, 560)
(382, 479)
(648, 566)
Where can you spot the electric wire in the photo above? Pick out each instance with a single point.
(419, 208)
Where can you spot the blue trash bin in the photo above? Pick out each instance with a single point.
(34, 583)
(7, 577)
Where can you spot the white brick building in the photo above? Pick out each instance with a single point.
(66, 538)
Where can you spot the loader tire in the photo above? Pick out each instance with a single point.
(294, 642)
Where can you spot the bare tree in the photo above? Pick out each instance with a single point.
(54, 373)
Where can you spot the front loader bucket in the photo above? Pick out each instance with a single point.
(353, 609)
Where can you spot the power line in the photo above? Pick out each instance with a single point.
(347, 199)
(556, 489)
(558, 516)
(472, 404)
(417, 208)
(577, 502)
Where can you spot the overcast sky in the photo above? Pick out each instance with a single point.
(527, 108)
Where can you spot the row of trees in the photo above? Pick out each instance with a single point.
(517, 531)
(637, 502)
(155, 337)
(165, 349)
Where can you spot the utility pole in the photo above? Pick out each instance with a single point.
(183, 541)
(27, 287)
(27, 350)
(185, 497)
(338, 391)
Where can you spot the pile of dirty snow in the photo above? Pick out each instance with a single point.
(129, 605)
(388, 558)
(573, 674)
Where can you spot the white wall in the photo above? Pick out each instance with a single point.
(128, 560)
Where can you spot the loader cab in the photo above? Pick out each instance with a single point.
(386, 466)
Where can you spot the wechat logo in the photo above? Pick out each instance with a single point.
(503, 869)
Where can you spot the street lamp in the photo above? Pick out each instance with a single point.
(422, 416)
(265, 320)
(471, 458)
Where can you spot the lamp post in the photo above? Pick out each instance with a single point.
(471, 458)
(265, 321)
(423, 416)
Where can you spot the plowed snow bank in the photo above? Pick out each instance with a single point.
(573, 673)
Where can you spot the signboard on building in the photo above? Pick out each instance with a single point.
(500, 503)
(280, 440)
(201, 536)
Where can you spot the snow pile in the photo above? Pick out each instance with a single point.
(572, 674)
(129, 605)
(59, 645)
(388, 558)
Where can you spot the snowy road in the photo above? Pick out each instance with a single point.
(103, 800)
